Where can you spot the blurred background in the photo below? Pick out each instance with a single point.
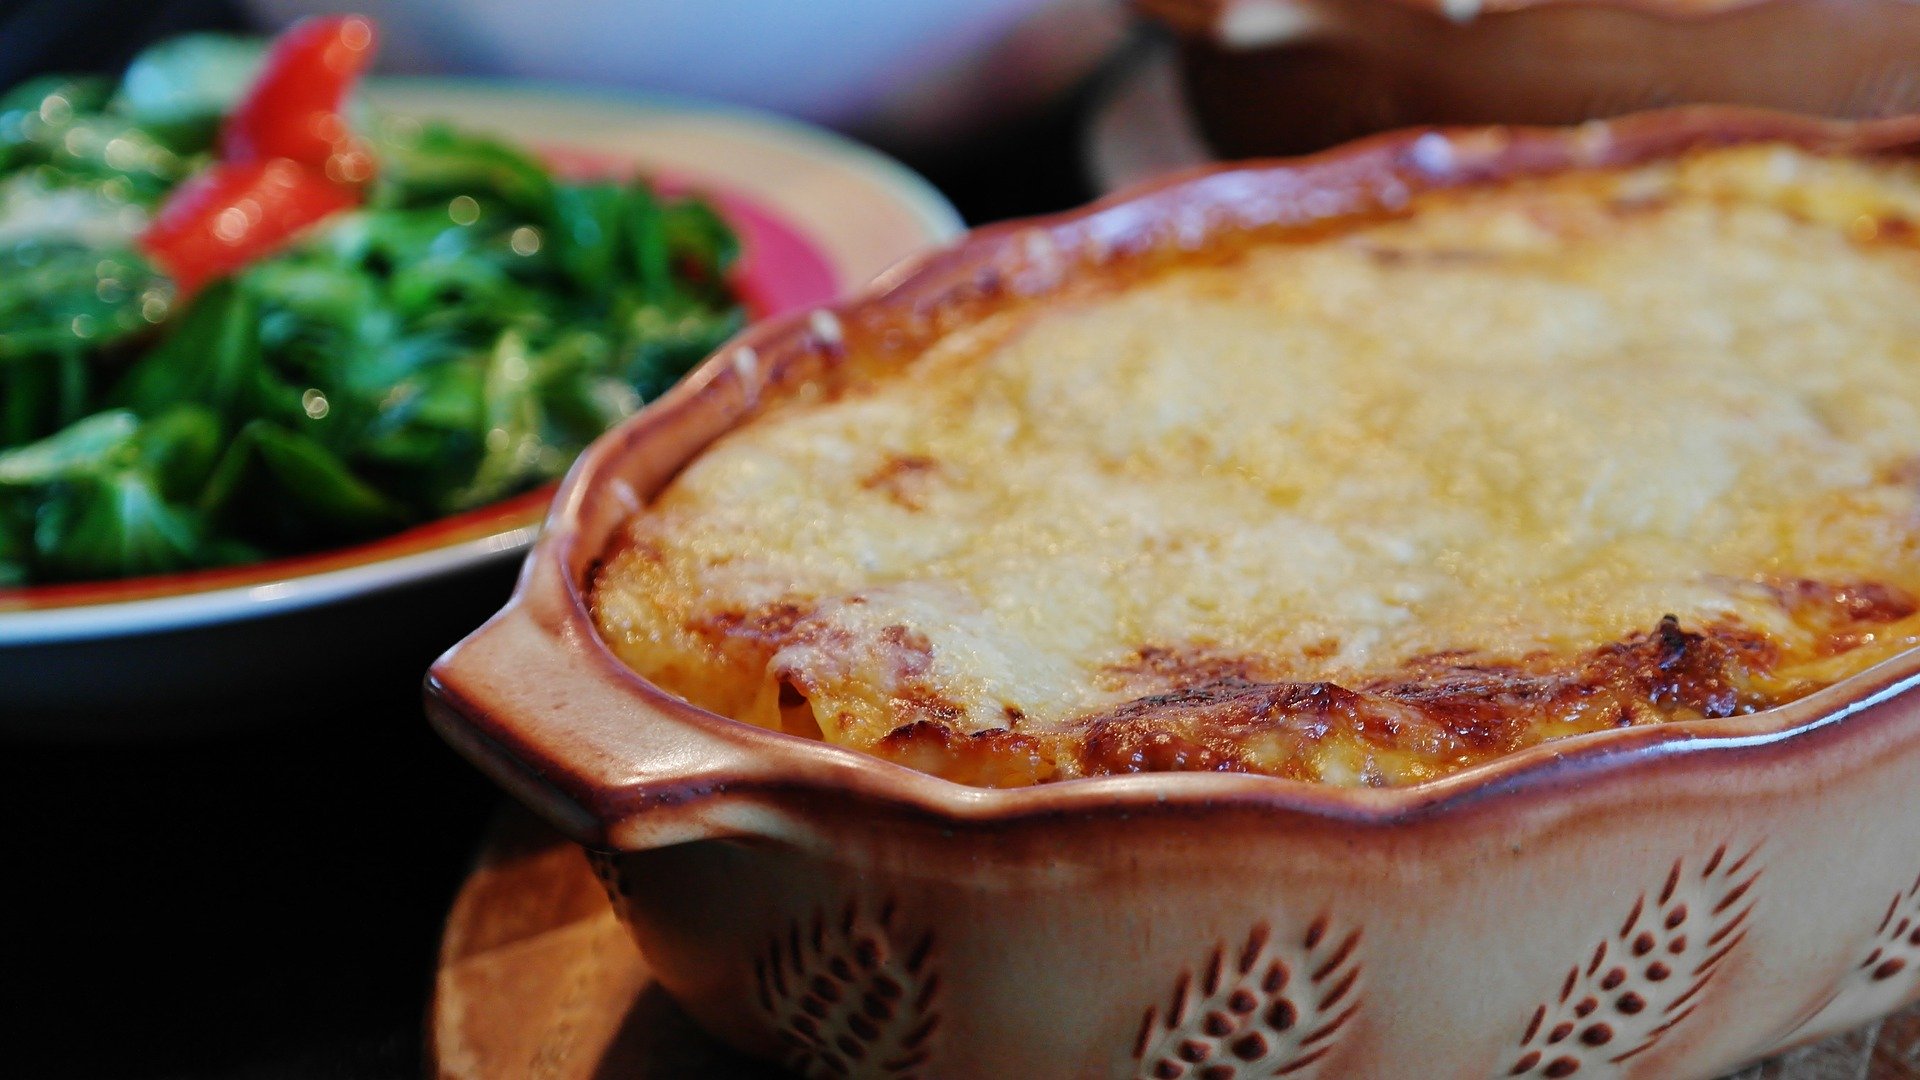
(984, 96)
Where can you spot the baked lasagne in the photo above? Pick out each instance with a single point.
(1364, 505)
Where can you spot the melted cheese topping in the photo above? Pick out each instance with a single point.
(1530, 460)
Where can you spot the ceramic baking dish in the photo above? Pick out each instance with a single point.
(1289, 76)
(1665, 901)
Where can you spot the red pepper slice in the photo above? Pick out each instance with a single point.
(293, 108)
(288, 159)
(231, 214)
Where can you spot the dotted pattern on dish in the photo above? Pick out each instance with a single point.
(1640, 983)
(1885, 976)
(846, 999)
(1264, 1009)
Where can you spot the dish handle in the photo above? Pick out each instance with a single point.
(534, 701)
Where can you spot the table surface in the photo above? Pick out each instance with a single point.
(268, 902)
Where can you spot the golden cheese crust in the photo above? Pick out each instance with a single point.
(1524, 461)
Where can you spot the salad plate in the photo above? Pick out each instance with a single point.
(816, 215)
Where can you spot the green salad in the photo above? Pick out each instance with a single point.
(455, 335)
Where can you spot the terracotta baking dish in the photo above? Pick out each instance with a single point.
(1289, 76)
(1665, 901)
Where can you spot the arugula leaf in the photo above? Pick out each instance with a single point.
(651, 252)
(16, 537)
(663, 340)
(42, 208)
(15, 545)
(82, 448)
(310, 477)
(179, 449)
(207, 359)
(57, 297)
(59, 122)
(700, 240)
(432, 163)
(113, 524)
(181, 88)
(34, 114)
(515, 451)
(587, 233)
(37, 96)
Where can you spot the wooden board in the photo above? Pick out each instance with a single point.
(538, 981)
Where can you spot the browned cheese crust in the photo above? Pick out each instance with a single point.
(1523, 462)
